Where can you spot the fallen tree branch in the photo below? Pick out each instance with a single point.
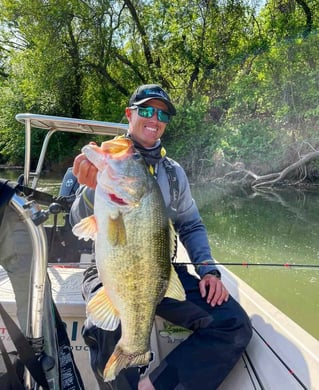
(238, 174)
(263, 180)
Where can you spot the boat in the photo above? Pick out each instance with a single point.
(280, 355)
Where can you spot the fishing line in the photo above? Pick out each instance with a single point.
(246, 264)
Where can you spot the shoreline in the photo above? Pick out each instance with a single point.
(15, 167)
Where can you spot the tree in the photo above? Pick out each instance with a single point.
(245, 81)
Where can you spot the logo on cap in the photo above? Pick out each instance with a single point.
(155, 91)
(149, 91)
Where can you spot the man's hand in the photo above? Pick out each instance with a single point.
(213, 289)
(84, 170)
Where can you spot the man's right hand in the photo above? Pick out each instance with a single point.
(84, 170)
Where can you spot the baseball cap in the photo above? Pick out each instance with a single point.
(147, 92)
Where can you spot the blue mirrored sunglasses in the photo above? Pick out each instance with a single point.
(148, 112)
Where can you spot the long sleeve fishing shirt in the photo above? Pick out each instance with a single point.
(187, 221)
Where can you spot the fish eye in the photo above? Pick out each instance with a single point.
(137, 156)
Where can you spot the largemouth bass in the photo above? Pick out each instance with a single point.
(133, 245)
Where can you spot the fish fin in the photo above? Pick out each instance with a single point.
(86, 228)
(116, 231)
(175, 288)
(119, 360)
(101, 311)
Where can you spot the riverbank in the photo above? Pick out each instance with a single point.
(13, 167)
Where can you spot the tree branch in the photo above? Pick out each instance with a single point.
(280, 175)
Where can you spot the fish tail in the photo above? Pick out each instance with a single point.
(119, 360)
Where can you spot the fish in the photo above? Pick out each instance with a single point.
(133, 250)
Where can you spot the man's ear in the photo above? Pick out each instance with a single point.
(128, 113)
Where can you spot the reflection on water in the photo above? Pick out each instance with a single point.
(271, 227)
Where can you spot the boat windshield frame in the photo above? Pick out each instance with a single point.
(55, 124)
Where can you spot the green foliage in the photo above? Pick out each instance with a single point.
(253, 143)
(245, 81)
(11, 136)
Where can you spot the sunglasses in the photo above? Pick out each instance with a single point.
(148, 112)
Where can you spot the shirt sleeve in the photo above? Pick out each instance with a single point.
(191, 229)
(83, 205)
(69, 184)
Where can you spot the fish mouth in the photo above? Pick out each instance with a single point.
(118, 149)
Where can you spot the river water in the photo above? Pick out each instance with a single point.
(271, 228)
(268, 228)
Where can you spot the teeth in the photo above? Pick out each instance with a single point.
(151, 128)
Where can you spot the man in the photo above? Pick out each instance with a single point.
(221, 329)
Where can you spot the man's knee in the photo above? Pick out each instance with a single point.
(242, 327)
(232, 321)
(244, 334)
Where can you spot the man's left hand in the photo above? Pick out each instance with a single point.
(213, 289)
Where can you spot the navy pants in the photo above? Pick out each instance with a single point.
(220, 336)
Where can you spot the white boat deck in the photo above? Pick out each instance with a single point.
(286, 357)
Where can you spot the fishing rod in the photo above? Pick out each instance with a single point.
(289, 369)
(180, 264)
(248, 264)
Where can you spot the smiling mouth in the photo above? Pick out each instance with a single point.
(151, 129)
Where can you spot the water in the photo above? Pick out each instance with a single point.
(276, 228)
(48, 183)
(271, 227)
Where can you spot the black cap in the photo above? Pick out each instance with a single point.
(147, 92)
